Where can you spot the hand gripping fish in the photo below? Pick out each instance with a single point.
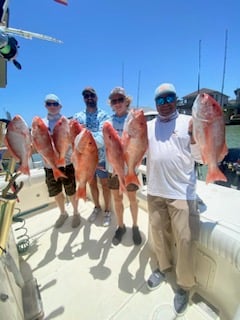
(43, 143)
(18, 141)
(85, 161)
(114, 153)
(135, 143)
(209, 133)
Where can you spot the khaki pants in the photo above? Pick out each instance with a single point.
(170, 218)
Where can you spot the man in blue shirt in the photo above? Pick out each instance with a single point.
(93, 118)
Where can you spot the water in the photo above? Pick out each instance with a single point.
(233, 136)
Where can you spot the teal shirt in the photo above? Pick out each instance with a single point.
(118, 123)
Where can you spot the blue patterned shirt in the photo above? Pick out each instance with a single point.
(94, 123)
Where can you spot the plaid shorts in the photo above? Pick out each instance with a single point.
(113, 184)
(55, 187)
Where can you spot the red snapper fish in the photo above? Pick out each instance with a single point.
(135, 143)
(18, 141)
(43, 143)
(85, 161)
(75, 128)
(209, 133)
(114, 153)
(61, 139)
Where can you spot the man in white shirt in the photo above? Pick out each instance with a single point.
(171, 196)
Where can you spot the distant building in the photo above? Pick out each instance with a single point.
(185, 106)
(231, 108)
(237, 93)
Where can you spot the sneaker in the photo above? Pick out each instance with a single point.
(155, 280)
(94, 214)
(107, 218)
(137, 239)
(118, 235)
(76, 220)
(60, 221)
(181, 301)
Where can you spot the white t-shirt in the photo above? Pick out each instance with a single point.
(170, 164)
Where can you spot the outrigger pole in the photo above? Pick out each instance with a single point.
(224, 64)
(138, 88)
(123, 74)
(199, 63)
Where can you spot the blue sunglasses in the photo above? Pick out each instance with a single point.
(163, 100)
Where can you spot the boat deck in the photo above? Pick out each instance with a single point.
(81, 275)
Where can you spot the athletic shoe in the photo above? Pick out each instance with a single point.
(181, 301)
(107, 218)
(76, 220)
(137, 239)
(60, 221)
(94, 214)
(155, 279)
(118, 235)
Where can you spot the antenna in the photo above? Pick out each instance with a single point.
(199, 63)
(138, 88)
(224, 64)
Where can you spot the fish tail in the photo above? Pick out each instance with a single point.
(61, 162)
(215, 174)
(81, 193)
(58, 174)
(24, 170)
(131, 179)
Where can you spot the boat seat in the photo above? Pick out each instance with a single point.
(221, 239)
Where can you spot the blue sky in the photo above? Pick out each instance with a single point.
(107, 43)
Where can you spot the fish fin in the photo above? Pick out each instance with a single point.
(223, 153)
(10, 149)
(61, 162)
(131, 178)
(58, 174)
(215, 174)
(81, 193)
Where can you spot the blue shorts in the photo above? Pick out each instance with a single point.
(101, 171)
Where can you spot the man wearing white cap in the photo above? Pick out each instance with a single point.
(171, 198)
(53, 106)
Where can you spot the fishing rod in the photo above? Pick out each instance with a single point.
(199, 63)
(123, 74)
(138, 88)
(224, 64)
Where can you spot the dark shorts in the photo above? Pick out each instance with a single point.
(113, 184)
(55, 187)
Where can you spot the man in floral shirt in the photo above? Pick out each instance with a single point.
(93, 118)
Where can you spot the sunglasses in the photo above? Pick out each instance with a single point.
(119, 100)
(54, 104)
(163, 100)
(89, 95)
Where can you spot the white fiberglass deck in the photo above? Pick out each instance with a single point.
(81, 275)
